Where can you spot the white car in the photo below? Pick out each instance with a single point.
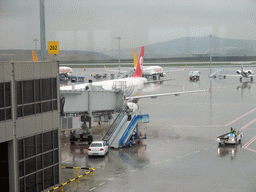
(98, 148)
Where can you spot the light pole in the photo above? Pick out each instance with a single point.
(35, 45)
(210, 54)
(118, 38)
(42, 30)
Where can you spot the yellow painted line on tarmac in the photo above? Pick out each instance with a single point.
(178, 157)
(197, 151)
(102, 183)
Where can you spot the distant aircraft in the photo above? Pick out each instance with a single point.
(152, 71)
(66, 71)
(216, 73)
(242, 74)
(131, 86)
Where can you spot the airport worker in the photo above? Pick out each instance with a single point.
(232, 131)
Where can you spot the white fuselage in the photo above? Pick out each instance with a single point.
(130, 86)
(65, 70)
(152, 70)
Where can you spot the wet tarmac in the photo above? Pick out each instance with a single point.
(181, 152)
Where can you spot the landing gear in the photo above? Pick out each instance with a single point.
(251, 79)
(240, 79)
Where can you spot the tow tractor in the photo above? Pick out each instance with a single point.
(81, 134)
(229, 138)
(194, 75)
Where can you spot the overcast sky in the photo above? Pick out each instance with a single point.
(95, 24)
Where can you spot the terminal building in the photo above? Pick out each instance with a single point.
(29, 124)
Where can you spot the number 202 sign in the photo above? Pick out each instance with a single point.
(53, 47)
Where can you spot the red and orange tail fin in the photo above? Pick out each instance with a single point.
(138, 71)
(34, 56)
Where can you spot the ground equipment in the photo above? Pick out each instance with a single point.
(230, 138)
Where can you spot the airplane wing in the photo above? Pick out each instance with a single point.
(176, 70)
(157, 81)
(229, 75)
(164, 94)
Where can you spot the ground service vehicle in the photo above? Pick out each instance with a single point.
(194, 75)
(229, 138)
(81, 134)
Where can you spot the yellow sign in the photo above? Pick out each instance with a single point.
(53, 47)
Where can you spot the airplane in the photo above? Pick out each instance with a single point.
(150, 71)
(130, 86)
(216, 73)
(65, 71)
(242, 74)
(153, 71)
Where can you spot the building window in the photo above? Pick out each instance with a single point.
(46, 89)
(7, 94)
(35, 96)
(38, 90)
(38, 161)
(1, 95)
(5, 101)
(28, 91)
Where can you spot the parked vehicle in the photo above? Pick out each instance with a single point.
(98, 148)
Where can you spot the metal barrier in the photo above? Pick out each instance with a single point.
(77, 178)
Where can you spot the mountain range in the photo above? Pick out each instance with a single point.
(182, 47)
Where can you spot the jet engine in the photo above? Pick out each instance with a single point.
(250, 72)
(238, 71)
(133, 107)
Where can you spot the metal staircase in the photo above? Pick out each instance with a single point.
(120, 135)
(114, 125)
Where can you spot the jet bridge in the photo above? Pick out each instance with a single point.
(95, 104)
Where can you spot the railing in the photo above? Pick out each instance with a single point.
(129, 129)
(77, 178)
(114, 126)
